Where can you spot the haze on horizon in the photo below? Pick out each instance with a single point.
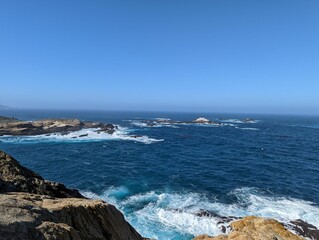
(209, 55)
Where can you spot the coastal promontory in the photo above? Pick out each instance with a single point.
(32, 208)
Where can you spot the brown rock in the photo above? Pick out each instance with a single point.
(255, 228)
(16, 178)
(32, 208)
(47, 126)
(31, 216)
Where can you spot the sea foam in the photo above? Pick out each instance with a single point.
(166, 215)
(84, 135)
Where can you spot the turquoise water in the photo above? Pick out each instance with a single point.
(162, 179)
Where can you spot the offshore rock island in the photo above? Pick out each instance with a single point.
(15, 127)
(197, 121)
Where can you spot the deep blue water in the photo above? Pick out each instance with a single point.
(268, 168)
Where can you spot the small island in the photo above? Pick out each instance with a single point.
(14, 127)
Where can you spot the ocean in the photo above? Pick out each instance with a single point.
(161, 176)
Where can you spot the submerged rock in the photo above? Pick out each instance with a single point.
(255, 228)
(32, 208)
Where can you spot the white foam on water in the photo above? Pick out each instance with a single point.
(231, 121)
(163, 215)
(163, 119)
(86, 135)
(281, 208)
(153, 124)
(247, 128)
(239, 121)
(139, 124)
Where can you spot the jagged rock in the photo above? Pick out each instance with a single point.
(305, 229)
(31, 216)
(255, 228)
(16, 178)
(200, 120)
(32, 208)
(47, 126)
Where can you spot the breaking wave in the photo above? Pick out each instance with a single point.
(84, 135)
(166, 215)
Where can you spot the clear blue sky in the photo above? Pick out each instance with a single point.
(174, 55)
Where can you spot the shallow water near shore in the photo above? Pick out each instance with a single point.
(160, 180)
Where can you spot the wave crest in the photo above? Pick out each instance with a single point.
(165, 215)
(84, 135)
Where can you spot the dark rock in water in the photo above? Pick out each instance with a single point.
(16, 178)
(221, 219)
(135, 136)
(108, 128)
(47, 126)
(163, 122)
(206, 213)
(83, 135)
(32, 208)
(305, 229)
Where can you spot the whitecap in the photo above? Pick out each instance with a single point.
(233, 120)
(154, 124)
(162, 215)
(247, 128)
(84, 135)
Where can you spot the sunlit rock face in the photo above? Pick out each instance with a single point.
(255, 228)
(34, 208)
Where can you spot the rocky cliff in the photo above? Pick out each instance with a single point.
(32, 208)
(16, 178)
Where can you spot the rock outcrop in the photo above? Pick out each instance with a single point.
(200, 120)
(31, 216)
(47, 126)
(32, 208)
(16, 178)
(255, 228)
(7, 119)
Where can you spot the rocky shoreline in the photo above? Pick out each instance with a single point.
(34, 208)
(14, 127)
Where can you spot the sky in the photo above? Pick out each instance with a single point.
(257, 56)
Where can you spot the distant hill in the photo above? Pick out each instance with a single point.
(4, 107)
